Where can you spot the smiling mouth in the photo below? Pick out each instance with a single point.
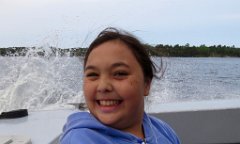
(109, 102)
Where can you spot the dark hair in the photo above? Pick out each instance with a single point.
(138, 49)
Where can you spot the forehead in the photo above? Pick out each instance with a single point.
(111, 51)
(113, 47)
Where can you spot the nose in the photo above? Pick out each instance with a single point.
(104, 85)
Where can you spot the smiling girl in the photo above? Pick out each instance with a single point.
(117, 76)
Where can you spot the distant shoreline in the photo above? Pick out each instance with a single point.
(157, 50)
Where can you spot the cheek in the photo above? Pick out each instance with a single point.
(87, 90)
(133, 89)
(137, 83)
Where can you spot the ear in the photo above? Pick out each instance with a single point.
(147, 86)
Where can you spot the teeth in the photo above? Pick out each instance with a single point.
(108, 102)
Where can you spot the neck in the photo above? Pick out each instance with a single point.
(140, 133)
(137, 131)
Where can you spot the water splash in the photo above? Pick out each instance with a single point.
(51, 80)
(36, 81)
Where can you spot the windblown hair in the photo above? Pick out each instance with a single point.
(149, 68)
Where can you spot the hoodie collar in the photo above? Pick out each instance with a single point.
(87, 120)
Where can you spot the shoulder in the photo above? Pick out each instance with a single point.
(83, 128)
(72, 137)
(84, 136)
(162, 127)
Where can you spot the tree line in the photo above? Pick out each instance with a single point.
(193, 51)
(157, 50)
(41, 51)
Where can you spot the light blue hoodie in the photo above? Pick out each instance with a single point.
(84, 128)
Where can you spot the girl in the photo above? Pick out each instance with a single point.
(117, 76)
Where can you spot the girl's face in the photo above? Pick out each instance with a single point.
(114, 86)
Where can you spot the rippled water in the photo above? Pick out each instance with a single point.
(194, 79)
(50, 82)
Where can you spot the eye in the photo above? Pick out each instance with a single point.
(91, 75)
(120, 74)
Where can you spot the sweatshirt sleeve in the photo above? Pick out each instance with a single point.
(84, 136)
(165, 130)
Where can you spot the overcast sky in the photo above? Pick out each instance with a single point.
(74, 23)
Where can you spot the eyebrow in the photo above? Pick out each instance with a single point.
(118, 64)
(89, 67)
(114, 65)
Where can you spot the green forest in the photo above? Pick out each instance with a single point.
(157, 50)
(193, 51)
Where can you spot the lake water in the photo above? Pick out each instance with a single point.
(51, 82)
